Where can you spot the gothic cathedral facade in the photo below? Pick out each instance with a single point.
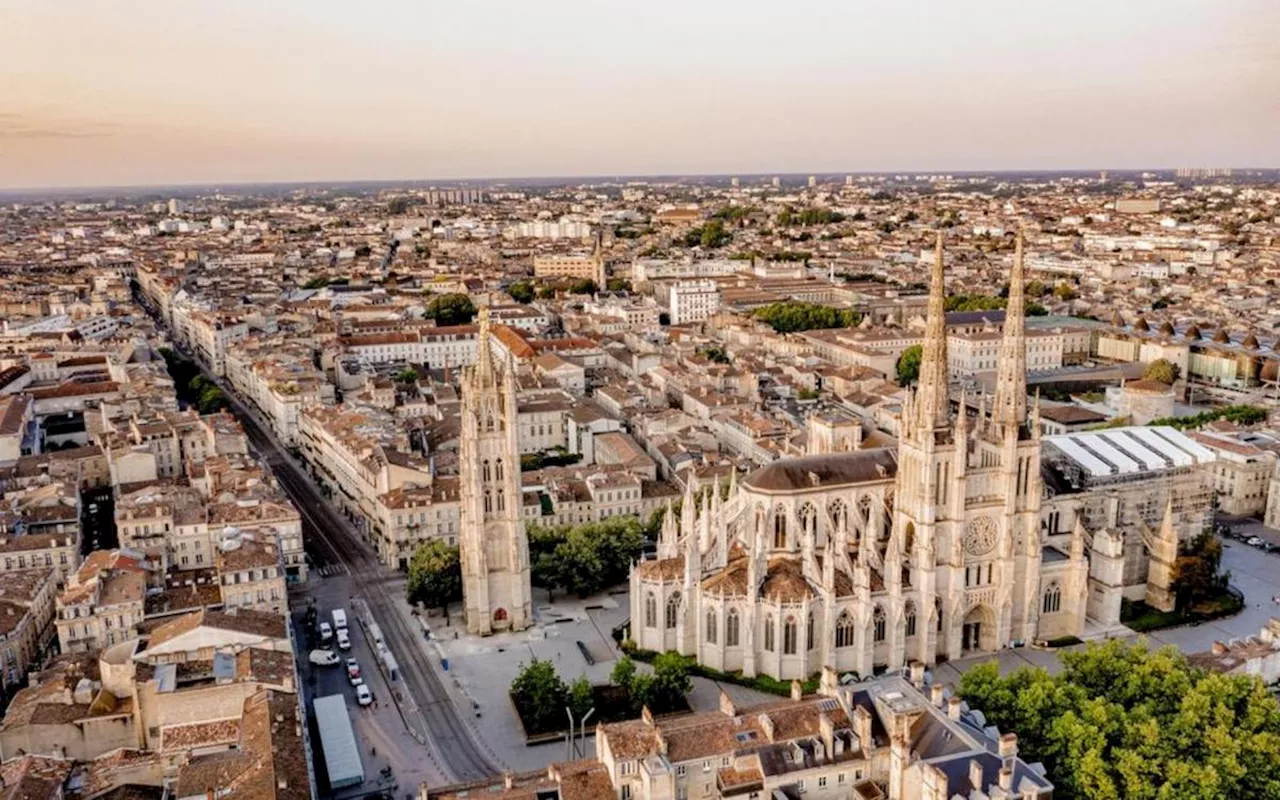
(872, 558)
(493, 550)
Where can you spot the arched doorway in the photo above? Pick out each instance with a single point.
(500, 615)
(979, 631)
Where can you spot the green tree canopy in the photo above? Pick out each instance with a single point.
(435, 575)
(908, 366)
(584, 559)
(618, 285)
(1162, 370)
(792, 316)
(521, 291)
(583, 286)
(451, 309)
(1121, 721)
(540, 696)
(711, 235)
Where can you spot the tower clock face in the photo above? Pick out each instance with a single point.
(980, 536)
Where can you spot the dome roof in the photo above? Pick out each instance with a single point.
(1142, 324)
(824, 471)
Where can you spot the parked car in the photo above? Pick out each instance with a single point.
(326, 632)
(324, 658)
(1254, 541)
(363, 696)
(353, 672)
(344, 641)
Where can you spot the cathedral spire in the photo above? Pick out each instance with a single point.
(484, 354)
(933, 405)
(1010, 408)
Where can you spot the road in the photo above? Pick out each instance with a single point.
(334, 541)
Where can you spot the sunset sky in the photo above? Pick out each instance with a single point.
(98, 92)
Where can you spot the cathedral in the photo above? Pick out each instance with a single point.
(867, 559)
(492, 546)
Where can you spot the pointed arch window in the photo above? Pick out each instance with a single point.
(673, 609)
(488, 502)
(711, 627)
(1053, 598)
(497, 469)
(808, 633)
(844, 630)
(789, 636)
(909, 617)
(650, 611)
(731, 628)
(502, 501)
(485, 473)
(879, 625)
(768, 632)
(780, 529)
(937, 610)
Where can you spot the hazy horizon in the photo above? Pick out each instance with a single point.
(138, 93)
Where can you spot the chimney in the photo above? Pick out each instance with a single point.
(508, 780)
(1006, 779)
(830, 682)
(975, 775)
(797, 691)
(726, 705)
(1009, 746)
(828, 733)
(766, 724)
(935, 696)
(1219, 648)
(647, 716)
(862, 727)
(917, 674)
(953, 708)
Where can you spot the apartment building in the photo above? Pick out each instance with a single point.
(1241, 474)
(588, 267)
(252, 573)
(104, 602)
(26, 621)
(693, 301)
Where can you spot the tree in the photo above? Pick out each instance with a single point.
(670, 682)
(586, 558)
(908, 366)
(1196, 575)
(1162, 370)
(577, 565)
(539, 694)
(713, 353)
(397, 206)
(1123, 721)
(1065, 291)
(618, 285)
(581, 697)
(408, 375)
(583, 286)
(624, 670)
(521, 291)
(451, 309)
(435, 575)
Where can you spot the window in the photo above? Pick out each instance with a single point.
(822, 781)
(650, 611)
(673, 609)
(626, 791)
(680, 770)
(731, 628)
(780, 529)
(937, 610)
(1053, 598)
(840, 777)
(488, 502)
(768, 632)
(800, 786)
(910, 615)
(879, 624)
(711, 627)
(487, 475)
(789, 636)
(497, 469)
(808, 634)
(706, 765)
(844, 630)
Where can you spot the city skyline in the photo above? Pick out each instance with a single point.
(145, 94)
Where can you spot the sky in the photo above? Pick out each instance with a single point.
(152, 92)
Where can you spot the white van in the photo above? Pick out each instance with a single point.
(344, 641)
(339, 619)
(326, 632)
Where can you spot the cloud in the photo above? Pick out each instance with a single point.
(19, 126)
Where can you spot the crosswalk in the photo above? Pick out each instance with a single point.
(329, 570)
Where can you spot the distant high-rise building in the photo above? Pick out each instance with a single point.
(733, 182)
(176, 206)
(813, 181)
(777, 182)
(1102, 176)
(848, 180)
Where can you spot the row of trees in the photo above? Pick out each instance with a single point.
(809, 216)
(710, 236)
(1239, 414)
(987, 302)
(555, 457)
(584, 559)
(541, 696)
(191, 384)
(1122, 721)
(792, 316)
